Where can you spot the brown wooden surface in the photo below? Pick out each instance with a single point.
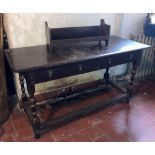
(37, 57)
(3, 88)
(71, 36)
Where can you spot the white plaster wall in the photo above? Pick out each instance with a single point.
(132, 23)
(28, 29)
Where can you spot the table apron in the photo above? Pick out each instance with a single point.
(66, 70)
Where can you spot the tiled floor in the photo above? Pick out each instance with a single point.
(122, 122)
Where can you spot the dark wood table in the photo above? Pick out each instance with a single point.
(36, 64)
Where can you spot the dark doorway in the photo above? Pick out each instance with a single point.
(9, 74)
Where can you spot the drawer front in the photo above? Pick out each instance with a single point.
(115, 60)
(66, 70)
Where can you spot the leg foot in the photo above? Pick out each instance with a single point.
(127, 100)
(37, 135)
(36, 130)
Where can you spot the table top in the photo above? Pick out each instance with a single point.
(36, 57)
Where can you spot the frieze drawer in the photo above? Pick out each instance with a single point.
(71, 69)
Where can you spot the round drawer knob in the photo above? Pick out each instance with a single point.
(50, 73)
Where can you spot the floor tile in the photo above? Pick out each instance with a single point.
(81, 137)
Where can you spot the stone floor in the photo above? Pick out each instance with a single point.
(120, 123)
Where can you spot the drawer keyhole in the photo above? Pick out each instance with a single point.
(50, 73)
(80, 67)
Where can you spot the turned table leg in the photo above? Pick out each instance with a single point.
(132, 78)
(23, 93)
(32, 103)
